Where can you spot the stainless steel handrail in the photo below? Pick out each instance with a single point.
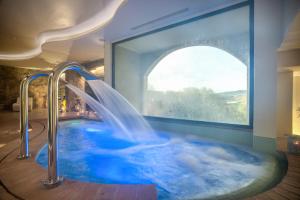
(53, 178)
(24, 145)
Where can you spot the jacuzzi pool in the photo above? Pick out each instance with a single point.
(181, 168)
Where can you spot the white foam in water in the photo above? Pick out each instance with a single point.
(183, 169)
(177, 167)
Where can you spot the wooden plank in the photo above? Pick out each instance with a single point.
(294, 169)
(286, 193)
(262, 196)
(291, 181)
(293, 160)
(251, 198)
(4, 195)
(294, 175)
(275, 196)
(290, 188)
(146, 192)
(126, 192)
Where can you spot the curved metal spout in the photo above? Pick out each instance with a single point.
(53, 178)
(24, 147)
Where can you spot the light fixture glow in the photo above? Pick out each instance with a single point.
(98, 71)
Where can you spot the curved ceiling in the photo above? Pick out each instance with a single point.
(27, 25)
(22, 23)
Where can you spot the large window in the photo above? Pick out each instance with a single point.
(198, 70)
(198, 83)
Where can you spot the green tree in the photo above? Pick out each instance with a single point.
(198, 104)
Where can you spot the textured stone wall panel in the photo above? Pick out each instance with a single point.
(10, 79)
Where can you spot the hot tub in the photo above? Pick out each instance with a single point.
(181, 166)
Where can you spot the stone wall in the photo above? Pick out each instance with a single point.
(74, 103)
(10, 79)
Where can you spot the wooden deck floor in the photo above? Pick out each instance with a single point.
(289, 187)
(21, 179)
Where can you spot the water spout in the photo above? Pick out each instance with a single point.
(53, 178)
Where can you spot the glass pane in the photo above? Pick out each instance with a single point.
(198, 70)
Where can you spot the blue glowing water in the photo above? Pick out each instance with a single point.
(181, 168)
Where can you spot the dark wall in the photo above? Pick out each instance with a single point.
(10, 79)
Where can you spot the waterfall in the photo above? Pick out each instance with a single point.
(125, 121)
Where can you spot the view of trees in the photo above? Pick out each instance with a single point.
(198, 104)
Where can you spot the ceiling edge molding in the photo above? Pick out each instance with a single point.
(98, 21)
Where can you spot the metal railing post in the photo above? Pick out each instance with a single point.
(24, 136)
(53, 178)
